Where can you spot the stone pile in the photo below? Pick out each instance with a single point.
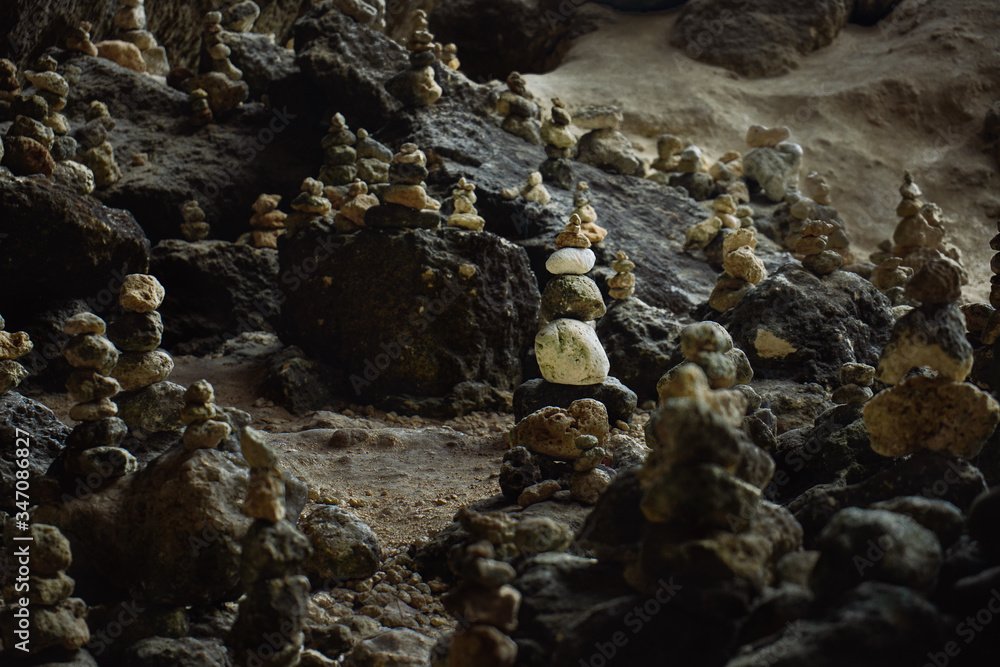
(267, 221)
(812, 245)
(194, 228)
(351, 215)
(566, 346)
(138, 334)
(741, 269)
(856, 382)
(583, 208)
(604, 146)
(309, 208)
(131, 19)
(27, 142)
(521, 114)
(277, 595)
(205, 423)
(622, 284)
(12, 346)
(201, 110)
(95, 152)
(79, 40)
(215, 52)
(725, 215)
(710, 347)
(405, 203)
(448, 55)
(57, 619)
(532, 191)
(92, 445)
(560, 146)
(416, 86)
(814, 204)
(465, 216)
(374, 159)
(218, 77)
(668, 152)
(339, 156)
(54, 89)
(772, 162)
(931, 408)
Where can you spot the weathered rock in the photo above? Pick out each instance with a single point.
(763, 39)
(400, 647)
(569, 352)
(576, 297)
(428, 332)
(343, 547)
(609, 150)
(553, 431)
(774, 169)
(156, 407)
(618, 400)
(938, 516)
(182, 652)
(260, 58)
(797, 326)
(928, 336)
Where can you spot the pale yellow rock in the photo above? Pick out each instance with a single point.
(411, 196)
(743, 264)
(553, 431)
(141, 293)
(758, 135)
(742, 237)
(700, 235)
(769, 346)
(931, 413)
(125, 54)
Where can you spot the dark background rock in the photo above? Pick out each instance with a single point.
(215, 290)
(763, 38)
(838, 319)
(58, 244)
(642, 342)
(26, 418)
(391, 284)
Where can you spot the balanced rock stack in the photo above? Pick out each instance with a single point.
(532, 191)
(555, 448)
(95, 152)
(131, 18)
(57, 618)
(205, 424)
(26, 145)
(521, 114)
(772, 162)
(725, 215)
(486, 606)
(604, 146)
(351, 215)
(92, 445)
(309, 208)
(215, 53)
(339, 156)
(856, 382)
(405, 203)
(448, 55)
(583, 208)
(194, 228)
(567, 346)
(622, 284)
(416, 86)
(219, 78)
(374, 159)
(465, 216)
(812, 244)
(710, 347)
(919, 411)
(54, 89)
(803, 208)
(741, 269)
(12, 346)
(79, 40)
(267, 221)
(668, 152)
(201, 110)
(138, 334)
(273, 551)
(560, 146)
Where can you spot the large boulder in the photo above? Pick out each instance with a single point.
(58, 244)
(28, 425)
(764, 38)
(215, 290)
(413, 315)
(642, 342)
(795, 325)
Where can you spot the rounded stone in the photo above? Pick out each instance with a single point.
(571, 261)
(141, 369)
(569, 352)
(87, 385)
(93, 410)
(572, 296)
(553, 431)
(344, 547)
(618, 400)
(141, 293)
(137, 332)
(108, 432)
(91, 351)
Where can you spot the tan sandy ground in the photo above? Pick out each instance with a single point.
(911, 94)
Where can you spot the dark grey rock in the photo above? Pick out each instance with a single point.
(261, 59)
(642, 342)
(938, 516)
(343, 547)
(181, 652)
(538, 393)
(26, 418)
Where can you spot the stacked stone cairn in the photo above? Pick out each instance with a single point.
(448, 55)
(309, 208)
(92, 445)
(567, 346)
(239, 15)
(741, 269)
(215, 53)
(79, 40)
(405, 203)
(465, 216)
(772, 162)
(57, 619)
(416, 86)
(339, 156)
(622, 284)
(812, 245)
(351, 215)
(374, 159)
(273, 550)
(205, 423)
(856, 382)
(521, 114)
(604, 146)
(54, 89)
(583, 208)
(532, 191)
(12, 346)
(937, 410)
(668, 154)
(267, 222)
(219, 78)
(814, 204)
(560, 146)
(94, 151)
(131, 18)
(725, 214)
(201, 110)
(26, 145)
(194, 228)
